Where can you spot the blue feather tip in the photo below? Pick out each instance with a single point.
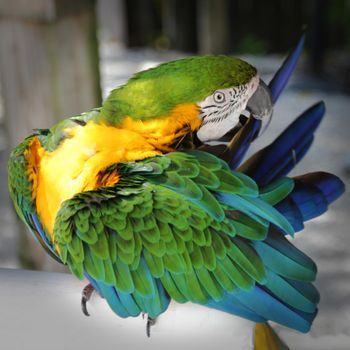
(281, 77)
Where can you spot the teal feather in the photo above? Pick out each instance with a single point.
(289, 293)
(282, 257)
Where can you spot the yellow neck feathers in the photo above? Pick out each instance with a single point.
(75, 165)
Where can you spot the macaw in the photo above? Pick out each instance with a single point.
(147, 199)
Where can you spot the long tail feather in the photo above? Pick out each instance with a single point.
(238, 147)
(285, 152)
(269, 307)
(235, 151)
(330, 185)
(310, 197)
(281, 257)
(282, 76)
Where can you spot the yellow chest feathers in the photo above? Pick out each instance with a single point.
(74, 166)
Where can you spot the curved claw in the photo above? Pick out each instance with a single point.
(85, 297)
(83, 306)
(150, 322)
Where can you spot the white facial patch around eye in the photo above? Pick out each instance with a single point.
(220, 117)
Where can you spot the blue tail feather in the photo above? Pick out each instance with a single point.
(270, 308)
(330, 185)
(291, 212)
(232, 305)
(282, 76)
(295, 156)
(311, 202)
(259, 305)
(307, 289)
(310, 197)
(242, 141)
(285, 152)
(283, 258)
(289, 293)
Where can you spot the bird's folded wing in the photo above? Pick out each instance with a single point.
(183, 226)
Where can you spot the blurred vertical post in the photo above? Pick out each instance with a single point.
(112, 21)
(319, 34)
(49, 70)
(142, 22)
(213, 26)
(179, 22)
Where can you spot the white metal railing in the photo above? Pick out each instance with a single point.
(41, 310)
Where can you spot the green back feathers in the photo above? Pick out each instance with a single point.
(154, 92)
(20, 187)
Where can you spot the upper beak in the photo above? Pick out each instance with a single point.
(260, 105)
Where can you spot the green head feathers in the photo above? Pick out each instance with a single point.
(153, 93)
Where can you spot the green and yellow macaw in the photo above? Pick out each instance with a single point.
(145, 197)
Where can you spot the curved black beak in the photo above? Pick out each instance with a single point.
(260, 105)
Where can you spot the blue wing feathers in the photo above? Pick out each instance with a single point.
(113, 300)
(132, 304)
(129, 303)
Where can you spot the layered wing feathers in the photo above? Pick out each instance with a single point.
(204, 236)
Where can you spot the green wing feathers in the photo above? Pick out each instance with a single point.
(186, 221)
(21, 188)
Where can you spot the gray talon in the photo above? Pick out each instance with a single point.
(85, 297)
(150, 322)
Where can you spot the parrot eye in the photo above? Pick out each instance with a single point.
(219, 97)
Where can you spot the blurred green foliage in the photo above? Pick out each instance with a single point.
(251, 44)
(339, 20)
(252, 26)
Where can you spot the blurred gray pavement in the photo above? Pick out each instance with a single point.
(326, 239)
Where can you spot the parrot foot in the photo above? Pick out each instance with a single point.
(85, 297)
(150, 322)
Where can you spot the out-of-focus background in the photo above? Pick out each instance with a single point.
(60, 57)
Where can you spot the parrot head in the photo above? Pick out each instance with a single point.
(226, 91)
